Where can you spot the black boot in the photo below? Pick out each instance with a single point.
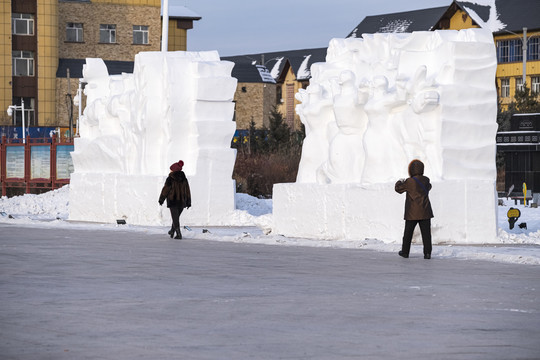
(427, 256)
(171, 232)
(178, 234)
(402, 254)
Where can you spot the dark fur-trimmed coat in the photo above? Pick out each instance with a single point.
(176, 191)
(417, 187)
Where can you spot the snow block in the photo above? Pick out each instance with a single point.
(465, 212)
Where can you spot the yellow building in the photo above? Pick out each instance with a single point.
(514, 24)
(46, 42)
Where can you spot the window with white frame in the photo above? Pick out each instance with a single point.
(23, 63)
(535, 84)
(533, 48)
(505, 88)
(519, 84)
(509, 50)
(29, 114)
(74, 32)
(22, 24)
(140, 34)
(503, 51)
(107, 33)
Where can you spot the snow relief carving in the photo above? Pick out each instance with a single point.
(379, 102)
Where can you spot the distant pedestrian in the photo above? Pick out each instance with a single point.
(176, 191)
(417, 207)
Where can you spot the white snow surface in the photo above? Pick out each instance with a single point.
(252, 223)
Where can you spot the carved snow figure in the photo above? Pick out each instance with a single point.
(317, 116)
(346, 154)
(384, 154)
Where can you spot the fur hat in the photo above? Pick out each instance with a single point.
(177, 166)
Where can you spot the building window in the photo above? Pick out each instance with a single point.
(107, 34)
(140, 34)
(519, 84)
(505, 88)
(29, 115)
(533, 48)
(535, 84)
(22, 24)
(74, 32)
(23, 63)
(509, 51)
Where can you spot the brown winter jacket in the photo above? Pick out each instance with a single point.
(417, 204)
(176, 191)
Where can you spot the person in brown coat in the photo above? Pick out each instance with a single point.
(417, 207)
(176, 191)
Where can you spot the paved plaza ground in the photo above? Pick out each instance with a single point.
(80, 294)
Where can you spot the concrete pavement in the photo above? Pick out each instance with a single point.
(79, 294)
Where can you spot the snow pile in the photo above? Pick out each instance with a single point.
(48, 206)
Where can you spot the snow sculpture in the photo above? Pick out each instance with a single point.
(175, 105)
(397, 97)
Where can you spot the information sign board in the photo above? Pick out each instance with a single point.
(64, 164)
(15, 162)
(40, 162)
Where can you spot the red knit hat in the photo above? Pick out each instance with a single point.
(177, 166)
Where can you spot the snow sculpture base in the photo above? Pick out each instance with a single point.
(465, 212)
(108, 197)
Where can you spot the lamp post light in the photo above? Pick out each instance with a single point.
(10, 113)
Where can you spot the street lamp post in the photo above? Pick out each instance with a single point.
(10, 113)
(524, 46)
(524, 51)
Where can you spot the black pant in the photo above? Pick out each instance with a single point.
(425, 230)
(175, 215)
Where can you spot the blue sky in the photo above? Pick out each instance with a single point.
(236, 27)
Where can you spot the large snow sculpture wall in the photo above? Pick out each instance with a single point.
(376, 104)
(175, 106)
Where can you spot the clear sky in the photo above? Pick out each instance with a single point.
(236, 27)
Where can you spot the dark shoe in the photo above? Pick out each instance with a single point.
(427, 256)
(171, 233)
(403, 254)
(178, 234)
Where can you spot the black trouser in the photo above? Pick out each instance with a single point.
(425, 230)
(175, 215)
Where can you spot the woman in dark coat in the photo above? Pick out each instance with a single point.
(417, 207)
(176, 191)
